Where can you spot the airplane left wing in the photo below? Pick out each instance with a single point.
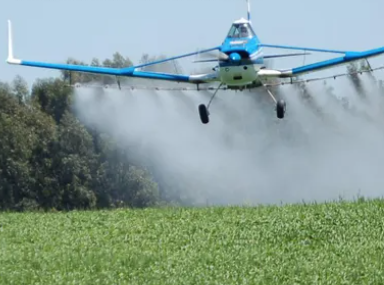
(321, 65)
(347, 58)
(127, 71)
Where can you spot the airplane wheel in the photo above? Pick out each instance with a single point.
(280, 109)
(204, 115)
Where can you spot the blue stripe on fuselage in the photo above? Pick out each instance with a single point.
(240, 45)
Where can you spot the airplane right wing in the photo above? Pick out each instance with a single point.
(127, 71)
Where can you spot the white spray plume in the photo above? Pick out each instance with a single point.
(245, 154)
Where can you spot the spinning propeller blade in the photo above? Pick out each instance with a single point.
(212, 56)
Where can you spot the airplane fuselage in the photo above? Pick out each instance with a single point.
(240, 75)
(245, 57)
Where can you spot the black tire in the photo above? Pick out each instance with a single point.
(280, 109)
(203, 112)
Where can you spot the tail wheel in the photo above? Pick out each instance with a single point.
(204, 115)
(280, 109)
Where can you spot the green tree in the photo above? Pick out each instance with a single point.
(20, 89)
(22, 130)
(166, 67)
(53, 96)
(49, 159)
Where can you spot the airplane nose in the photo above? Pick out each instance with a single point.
(235, 56)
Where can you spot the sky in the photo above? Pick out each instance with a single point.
(53, 31)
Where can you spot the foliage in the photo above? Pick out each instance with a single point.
(118, 61)
(50, 160)
(334, 243)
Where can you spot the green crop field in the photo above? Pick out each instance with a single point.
(334, 243)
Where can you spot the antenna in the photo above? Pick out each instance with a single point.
(249, 9)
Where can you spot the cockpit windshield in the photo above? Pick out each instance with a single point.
(240, 31)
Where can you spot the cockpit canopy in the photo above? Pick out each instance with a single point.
(241, 30)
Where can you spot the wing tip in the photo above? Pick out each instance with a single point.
(10, 44)
(11, 59)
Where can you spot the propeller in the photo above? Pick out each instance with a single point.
(212, 56)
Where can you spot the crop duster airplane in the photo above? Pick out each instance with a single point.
(241, 64)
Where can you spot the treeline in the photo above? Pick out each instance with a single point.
(117, 61)
(50, 160)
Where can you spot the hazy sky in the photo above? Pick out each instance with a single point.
(55, 30)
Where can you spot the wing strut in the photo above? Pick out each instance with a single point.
(322, 78)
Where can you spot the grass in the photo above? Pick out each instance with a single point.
(334, 243)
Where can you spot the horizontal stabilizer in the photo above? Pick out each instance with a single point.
(304, 48)
(206, 60)
(265, 57)
(284, 55)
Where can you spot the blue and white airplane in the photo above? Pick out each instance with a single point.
(241, 64)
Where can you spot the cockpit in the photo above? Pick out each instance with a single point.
(241, 30)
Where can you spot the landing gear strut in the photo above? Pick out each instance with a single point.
(281, 106)
(204, 110)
